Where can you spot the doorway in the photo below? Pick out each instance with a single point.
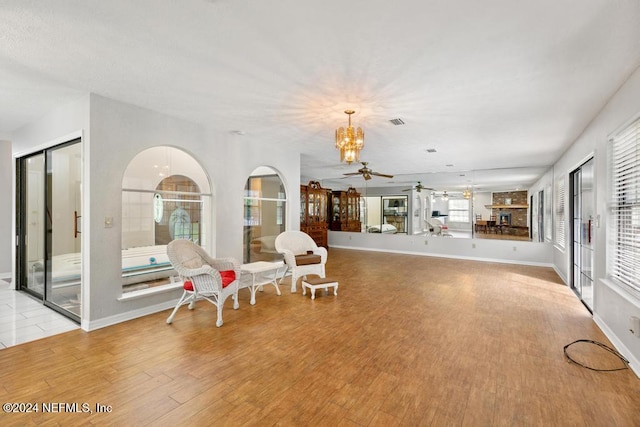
(49, 215)
(265, 207)
(582, 217)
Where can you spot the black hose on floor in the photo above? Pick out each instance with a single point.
(599, 344)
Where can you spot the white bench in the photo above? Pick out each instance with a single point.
(314, 283)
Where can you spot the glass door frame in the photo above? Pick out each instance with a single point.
(22, 218)
(577, 230)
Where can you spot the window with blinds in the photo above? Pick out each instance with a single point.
(559, 215)
(624, 255)
(459, 210)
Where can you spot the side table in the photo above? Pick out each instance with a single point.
(262, 273)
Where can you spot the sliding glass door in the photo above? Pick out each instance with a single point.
(49, 218)
(582, 215)
(31, 212)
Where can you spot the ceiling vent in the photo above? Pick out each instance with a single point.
(397, 122)
(430, 150)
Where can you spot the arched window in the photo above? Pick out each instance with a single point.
(264, 215)
(179, 215)
(165, 196)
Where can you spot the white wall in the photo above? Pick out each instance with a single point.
(481, 199)
(416, 214)
(440, 205)
(6, 191)
(54, 127)
(373, 211)
(119, 131)
(612, 307)
(114, 133)
(506, 251)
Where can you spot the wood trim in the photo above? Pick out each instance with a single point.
(506, 206)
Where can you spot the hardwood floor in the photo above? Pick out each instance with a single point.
(408, 340)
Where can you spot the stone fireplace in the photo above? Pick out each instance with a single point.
(504, 218)
(511, 210)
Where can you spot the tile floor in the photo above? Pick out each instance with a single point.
(24, 319)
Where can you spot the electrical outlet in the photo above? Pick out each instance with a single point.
(473, 246)
(514, 248)
(634, 326)
(426, 242)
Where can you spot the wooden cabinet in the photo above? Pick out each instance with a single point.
(345, 210)
(313, 212)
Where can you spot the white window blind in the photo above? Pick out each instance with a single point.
(559, 217)
(459, 210)
(624, 256)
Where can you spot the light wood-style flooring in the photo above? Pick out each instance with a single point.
(408, 340)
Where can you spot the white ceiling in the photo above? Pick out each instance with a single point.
(492, 84)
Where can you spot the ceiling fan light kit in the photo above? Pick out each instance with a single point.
(418, 187)
(367, 173)
(349, 141)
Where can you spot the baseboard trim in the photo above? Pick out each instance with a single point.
(494, 260)
(634, 363)
(89, 325)
(559, 273)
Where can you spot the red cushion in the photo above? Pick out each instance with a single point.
(227, 277)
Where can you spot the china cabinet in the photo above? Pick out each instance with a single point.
(345, 210)
(313, 212)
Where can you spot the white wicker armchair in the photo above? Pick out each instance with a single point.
(201, 276)
(301, 255)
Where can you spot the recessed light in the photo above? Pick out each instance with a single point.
(238, 132)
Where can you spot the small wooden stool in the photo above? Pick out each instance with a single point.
(314, 283)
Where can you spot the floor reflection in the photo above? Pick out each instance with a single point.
(457, 234)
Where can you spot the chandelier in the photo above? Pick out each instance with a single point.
(349, 141)
(466, 194)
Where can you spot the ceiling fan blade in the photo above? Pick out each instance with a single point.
(381, 174)
(352, 173)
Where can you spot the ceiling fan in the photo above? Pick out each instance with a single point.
(367, 173)
(418, 187)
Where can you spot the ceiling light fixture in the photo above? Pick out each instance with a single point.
(466, 194)
(349, 141)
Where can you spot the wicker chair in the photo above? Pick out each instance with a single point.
(301, 255)
(443, 227)
(204, 277)
(435, 227)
